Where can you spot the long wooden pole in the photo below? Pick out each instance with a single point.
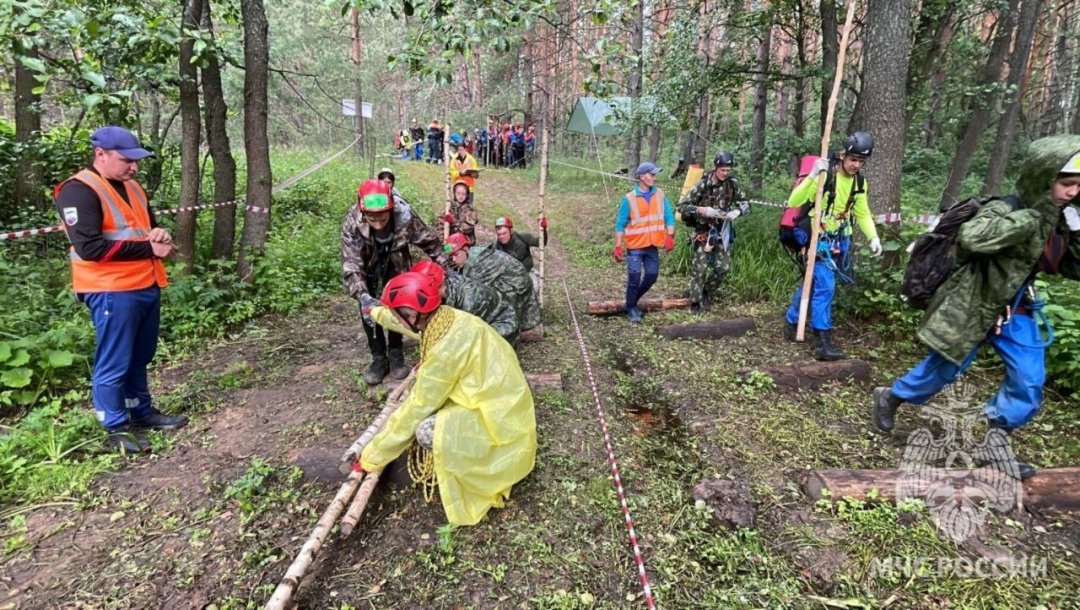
(543, 189)
(446, 163)
(811, 252)
(392, 402)
(359, 503)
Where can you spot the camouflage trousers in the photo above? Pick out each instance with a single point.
(707, 272)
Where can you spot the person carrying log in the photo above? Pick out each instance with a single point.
(480, 300)
(470, 410)
(709, 209)
(500, 271)
(645, 222)
(990, 297)
(845, 199)
(375, 238)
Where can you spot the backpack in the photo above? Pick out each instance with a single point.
(933, 254)
(795, 222)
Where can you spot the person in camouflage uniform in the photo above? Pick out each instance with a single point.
(500, 271)
(990, 295)
(462, 217)
(480, 300)
(517, 243)
(709, 209)
(375, 238)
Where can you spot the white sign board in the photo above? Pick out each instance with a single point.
(348, 108)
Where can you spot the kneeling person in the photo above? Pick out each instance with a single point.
(480, 300)
(501, 272)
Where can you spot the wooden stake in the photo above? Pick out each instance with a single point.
(446, 162)
(543, 186)
(611, 308)
(811, 252)
(359, 503)
(392, 402)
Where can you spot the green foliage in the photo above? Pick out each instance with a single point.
(1063, 310)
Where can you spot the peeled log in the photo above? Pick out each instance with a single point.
(392, 402)
(812, 375)
(544, 381)
(612, 308)
(1051, 488)
(713, 329)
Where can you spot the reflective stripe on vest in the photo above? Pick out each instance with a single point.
(646, 227)
(120, 221)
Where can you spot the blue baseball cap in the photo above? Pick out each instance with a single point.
(121, 140)
(647, 168)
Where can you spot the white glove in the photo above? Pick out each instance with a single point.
(1072, 218)
(733, 214)
(821, 165)
(367, 303)
(875, 246)
(708, 212)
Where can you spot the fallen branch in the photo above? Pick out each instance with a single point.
(608, 308)
(392, 401)
(359, 503)
(812, 375)
(544, 381)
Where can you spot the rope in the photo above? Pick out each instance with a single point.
(421, 466)
(642, 574)
(251, 208)
(585, 169)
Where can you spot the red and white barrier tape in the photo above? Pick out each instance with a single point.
(642, 574)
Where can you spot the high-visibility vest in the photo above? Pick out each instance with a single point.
(457, 166)
(646, 227)
(120, 221)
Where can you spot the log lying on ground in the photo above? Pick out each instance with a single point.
(812, 375)
(1051, 488)
(612, 308)
(544, 381)
(533, 335)
(392, 402)
(713, 329)
(359, 503)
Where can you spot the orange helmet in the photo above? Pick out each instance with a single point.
(374, 196)
(431, 269)
(456, 242)
(413, 290)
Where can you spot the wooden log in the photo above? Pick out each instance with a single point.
(609, 308)
(533, 335)
(392, 401)
(811, 375)
(359, 503)
(713, 329)
(544, 381)
(1051, 488)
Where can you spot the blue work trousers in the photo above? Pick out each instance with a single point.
(823, 289)
(636, 285)
(1021, 347)
(418, 151)
(126, 326)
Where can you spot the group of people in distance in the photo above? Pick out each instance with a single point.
(505, 145)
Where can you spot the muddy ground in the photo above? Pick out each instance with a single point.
(712, 451)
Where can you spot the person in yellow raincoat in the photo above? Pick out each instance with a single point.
(469, 379)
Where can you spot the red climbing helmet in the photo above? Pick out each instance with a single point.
(374, 196)
(413, 290)
(504, 221)
(455, 242)
(430, 269)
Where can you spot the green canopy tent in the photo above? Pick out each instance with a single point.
(595, 117)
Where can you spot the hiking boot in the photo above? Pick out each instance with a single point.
(825, 349)
(378, 369)
(158, 421)
(1025, 470)
(634, 315)
(791, 331)
(885, 405)
(126, 439)
(398, 370)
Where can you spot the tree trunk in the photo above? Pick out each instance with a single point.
(931, 41)
(761, 106)
(798, 114)
(217, 137)
(190, 136)
(980, 113)
(882, 98)
(256, 142)
(633, 88)
(654, 142)
(830, 49)
(29, 173)
(1006, 132)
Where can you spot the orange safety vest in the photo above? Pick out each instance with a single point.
(459, 166)
(646, 227)
(121, 221)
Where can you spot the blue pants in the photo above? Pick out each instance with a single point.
(126, 326)
(419, 154)
(823, 290)
(636, 285)
(1020, 346)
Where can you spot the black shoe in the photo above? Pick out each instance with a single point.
(398, 370)
(791, 331)
(126, 439)
(825, 349)
(158, 421)
(885, 405)
(1025, 470)
(378, 369)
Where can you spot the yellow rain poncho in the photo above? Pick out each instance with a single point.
(485, 426)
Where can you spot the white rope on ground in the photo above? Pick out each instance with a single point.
(251, 208)
(585, 169)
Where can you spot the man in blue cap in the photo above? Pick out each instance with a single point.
(116, 269)
(645, 223)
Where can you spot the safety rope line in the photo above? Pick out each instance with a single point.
(251, 208)
(593, 171)
(642, 574)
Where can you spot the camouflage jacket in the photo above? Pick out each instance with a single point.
(708, 192)
(519, 247)
(997, 252)
(483, 302)
(465, 220)
(506, 275)
(366, 266)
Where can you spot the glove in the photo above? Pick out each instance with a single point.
(543, 223)
(821, 165)
(1072, 218)
(707, 212)
(358, 466)
(367, 303)
(618, 253)
(875, 246)
(448, 219)
(669, 243)
(733, 214)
